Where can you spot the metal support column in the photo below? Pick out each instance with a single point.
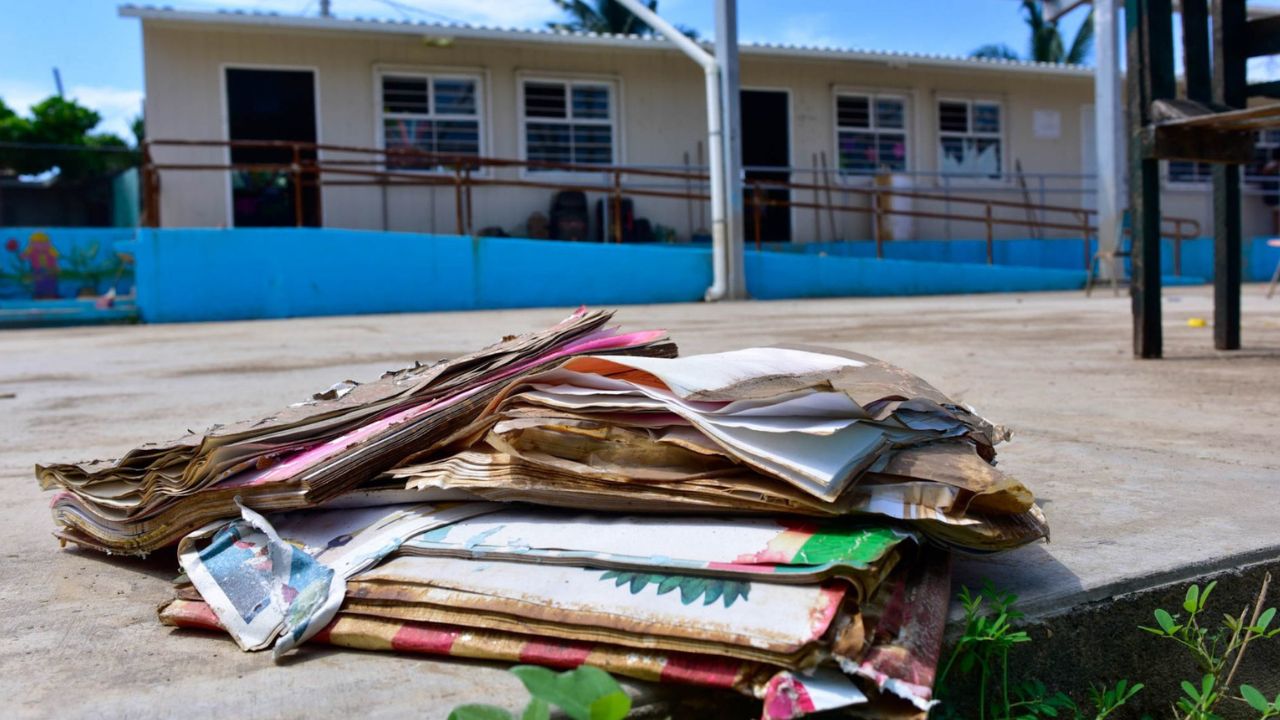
(727, 61)
(1108, 121)
(1229, 52)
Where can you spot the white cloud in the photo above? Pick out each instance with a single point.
(808, 29)
(117, 106)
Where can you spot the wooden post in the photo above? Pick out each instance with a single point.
(826, 184)
(991, 238)
(1149, 32)
(296, 169)
(1195, 50)
(1229, 49)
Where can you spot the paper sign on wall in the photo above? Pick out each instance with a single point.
(1047, 124)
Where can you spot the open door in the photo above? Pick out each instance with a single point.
(272, 105)
(766, 144)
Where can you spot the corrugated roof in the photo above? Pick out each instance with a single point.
(548, 35)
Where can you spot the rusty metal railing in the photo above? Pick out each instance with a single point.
(308, 165)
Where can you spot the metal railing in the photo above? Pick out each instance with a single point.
(319, 164)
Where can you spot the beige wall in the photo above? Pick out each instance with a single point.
(662, 119)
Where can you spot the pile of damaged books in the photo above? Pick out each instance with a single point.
(775, 521)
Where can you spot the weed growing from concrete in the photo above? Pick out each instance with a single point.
(1217, 652)
(981, 655)
(983, 650)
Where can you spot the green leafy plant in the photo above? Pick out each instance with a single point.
(1256, 701)
(983, 651)
(1217, 651)
(584, 693)
(1107, 700)
(984, 646)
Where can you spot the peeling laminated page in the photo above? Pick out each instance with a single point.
(707, 377)
(288, 580)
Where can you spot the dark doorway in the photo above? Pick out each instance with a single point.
(272, 105)
(766, 144)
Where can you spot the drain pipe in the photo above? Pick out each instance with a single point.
(720, 285)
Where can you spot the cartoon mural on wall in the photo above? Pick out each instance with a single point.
(64, 264)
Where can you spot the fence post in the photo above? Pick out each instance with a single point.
(755, 210)
(617, 206)
(1177, 248)
(1088, 247)
(877, 221)
(150, 211)
(466, 185)
(296, 169)
(457, 199)
(991, 238)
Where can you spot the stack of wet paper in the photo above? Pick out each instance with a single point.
(806, 616)
(771, 520)
(774, 521)
(761, 430)
(311, 452)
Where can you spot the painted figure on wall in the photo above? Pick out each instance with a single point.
(42, 257)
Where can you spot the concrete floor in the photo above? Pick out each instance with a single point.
(1150, 472)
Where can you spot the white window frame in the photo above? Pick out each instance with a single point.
(1000, 136)
(871, 95)
(614, 86)
(431, 75)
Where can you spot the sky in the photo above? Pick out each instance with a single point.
(99, 54)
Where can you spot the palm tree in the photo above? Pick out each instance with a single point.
(1046, 41)
(601, 16)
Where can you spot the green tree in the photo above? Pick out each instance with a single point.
(56, 130)
(1045, 44)
(607, 17)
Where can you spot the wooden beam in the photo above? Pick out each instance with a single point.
(1230, 31)
(1198, 144)
(1264, 89)
(1262, 37)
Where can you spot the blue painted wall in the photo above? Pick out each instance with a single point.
(209, 274)
(86, 258)
(1064, 254)
(772, 275)
(201, 274)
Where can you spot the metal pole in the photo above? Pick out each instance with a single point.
(1108, 127)
(727, 62)
(726, 188)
